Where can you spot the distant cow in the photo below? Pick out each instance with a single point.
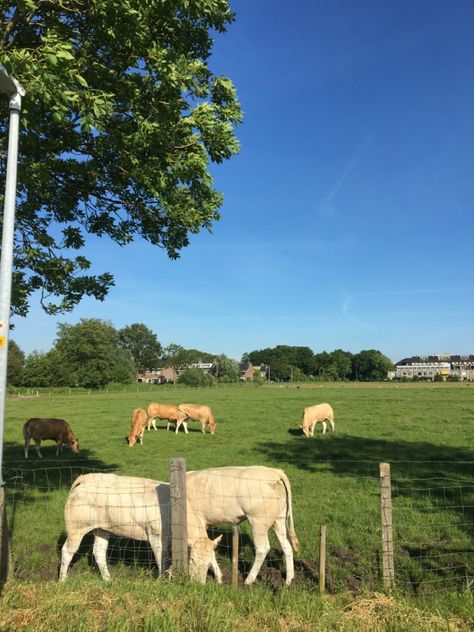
(130, 507)
(201, 413)
(261, 495)
(53, 429)
(170, 412)
(317, 414)
(137, 427)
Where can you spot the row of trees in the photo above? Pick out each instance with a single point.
(93, 353)
(296, 363)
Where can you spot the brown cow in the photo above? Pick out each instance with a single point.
(170, 412)
(137, 427)
(201, 413)
(54, 429)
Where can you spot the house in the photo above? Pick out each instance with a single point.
(443, 364)
(158, 376)
(248, 370)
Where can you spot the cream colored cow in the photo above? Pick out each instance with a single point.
(131, 507)
(261, 495)
(317, 414)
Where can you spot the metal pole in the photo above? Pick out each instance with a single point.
(6, 262)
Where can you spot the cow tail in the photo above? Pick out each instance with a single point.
(26, 431)
(290, 525)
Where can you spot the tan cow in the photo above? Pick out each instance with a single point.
(170, 412)
(317, 414)
(137, 427)
(201, 413)
(130, 507)
(261, 495)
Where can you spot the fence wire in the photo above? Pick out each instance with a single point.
(433, 526)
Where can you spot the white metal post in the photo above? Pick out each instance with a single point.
(14, 90)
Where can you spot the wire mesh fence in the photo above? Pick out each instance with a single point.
(433, 526)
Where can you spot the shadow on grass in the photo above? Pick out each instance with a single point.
(346, 454)
(430, 477)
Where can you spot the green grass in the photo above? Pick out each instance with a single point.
(424, 430)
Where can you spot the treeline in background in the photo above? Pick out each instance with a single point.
(93, 354)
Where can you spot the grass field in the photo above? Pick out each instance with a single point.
(425, 431)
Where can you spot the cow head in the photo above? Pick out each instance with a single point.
(212, 427)
(305, 430)
(75, 445)
(202, 558)
(132, 439)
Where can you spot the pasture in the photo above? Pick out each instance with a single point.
(425, 431)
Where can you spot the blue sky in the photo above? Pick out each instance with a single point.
(348, 216)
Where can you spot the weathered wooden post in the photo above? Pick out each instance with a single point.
(179, 536)
(322, 560)
(388, 569)
(235, 556)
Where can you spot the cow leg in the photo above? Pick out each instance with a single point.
(101, 542)
(140, 436)
(168, 425)
(262, 546)
(216, 569)
(331, 423)
(156, 544)
(280, 530)
(324, 427)
(70, 547)
(311, 432)
(152, 422)
(27, 445)
(37, 448)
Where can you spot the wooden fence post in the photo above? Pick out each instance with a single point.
(322, 560)
(235, 556)
(388, 568)
(179, 536)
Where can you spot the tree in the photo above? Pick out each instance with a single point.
(227, 369)
(121, 119)
(16, 362)
(370, 364)
(89, 351)
(43, 369)
(341, 364)
(195, 377)
(143, 345)
(174, 355)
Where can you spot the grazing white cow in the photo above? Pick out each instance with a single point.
(261, 495)
(131, 507)
(314, 414)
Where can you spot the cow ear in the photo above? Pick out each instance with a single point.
(216, 541)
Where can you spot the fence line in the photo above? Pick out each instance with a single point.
(433, 525)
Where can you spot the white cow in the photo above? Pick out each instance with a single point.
(131, 507)
(261, 495)
(314, 414)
